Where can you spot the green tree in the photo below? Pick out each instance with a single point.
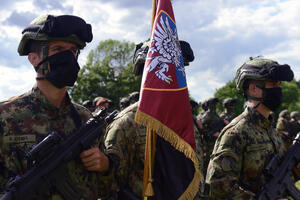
(291, 96)
(230, 91)
(107, 73)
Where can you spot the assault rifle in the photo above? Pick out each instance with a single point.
(51, 155)
(279, 174)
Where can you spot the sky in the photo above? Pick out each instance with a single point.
(222, 33)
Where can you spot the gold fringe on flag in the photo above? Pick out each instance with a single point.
(156, 127)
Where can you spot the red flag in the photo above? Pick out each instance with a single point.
(171, 166)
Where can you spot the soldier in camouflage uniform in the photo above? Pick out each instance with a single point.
(124, 103)
(133, 97)
(89, 105)
(52, 44)
(294, 123)
(228, 114)
(283, 127)
(246, 145)
(126, 139)
(212, 125)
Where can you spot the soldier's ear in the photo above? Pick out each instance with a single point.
(34, 59)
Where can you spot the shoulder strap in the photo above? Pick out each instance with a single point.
(76, 117)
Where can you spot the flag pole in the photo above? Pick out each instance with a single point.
(153, 15)
(148, 190)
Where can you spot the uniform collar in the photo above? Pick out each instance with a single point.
(39, 98)
(258, 118)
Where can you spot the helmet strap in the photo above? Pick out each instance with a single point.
(42, 67)
(262, 87)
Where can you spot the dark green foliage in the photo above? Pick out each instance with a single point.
(107, 73)
(230, 91)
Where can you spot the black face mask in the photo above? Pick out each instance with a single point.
(63, 69)
(272, 98)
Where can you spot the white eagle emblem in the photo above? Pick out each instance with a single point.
(166, 44)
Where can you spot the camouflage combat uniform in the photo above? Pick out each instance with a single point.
(209, 120)
(284, 125)
(126, 139)
(25, 121)
(241, 152)
(200, 155)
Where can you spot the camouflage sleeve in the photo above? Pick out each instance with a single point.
(126, 140)
(114, 147)
(200, 156)
(3, 170)
(105, 181)
(225, 167)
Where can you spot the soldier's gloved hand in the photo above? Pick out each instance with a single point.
(95, 160)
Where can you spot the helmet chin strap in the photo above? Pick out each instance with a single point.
(260, 99)
(42, 67)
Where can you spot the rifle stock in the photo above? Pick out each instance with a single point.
(42, 173)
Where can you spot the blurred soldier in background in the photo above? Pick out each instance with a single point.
(133, 97)
(294, 124)
(228, 114)
(283, 127)
(212, 125)
(89, 105)
(101, 102)
(124, 102)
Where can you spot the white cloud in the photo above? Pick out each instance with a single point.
(15, 81)
(203, 84)
(223, 34)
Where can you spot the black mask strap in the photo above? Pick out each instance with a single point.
(44, 68)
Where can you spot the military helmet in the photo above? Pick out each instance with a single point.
(124, 102)
(53, 28)
(229, 102)
(193, 103)
(134, 97)
(284, 113)
(262, 69)
(295, 114)
(208, 102)
(87, 103)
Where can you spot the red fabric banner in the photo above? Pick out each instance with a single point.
(164, 107)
